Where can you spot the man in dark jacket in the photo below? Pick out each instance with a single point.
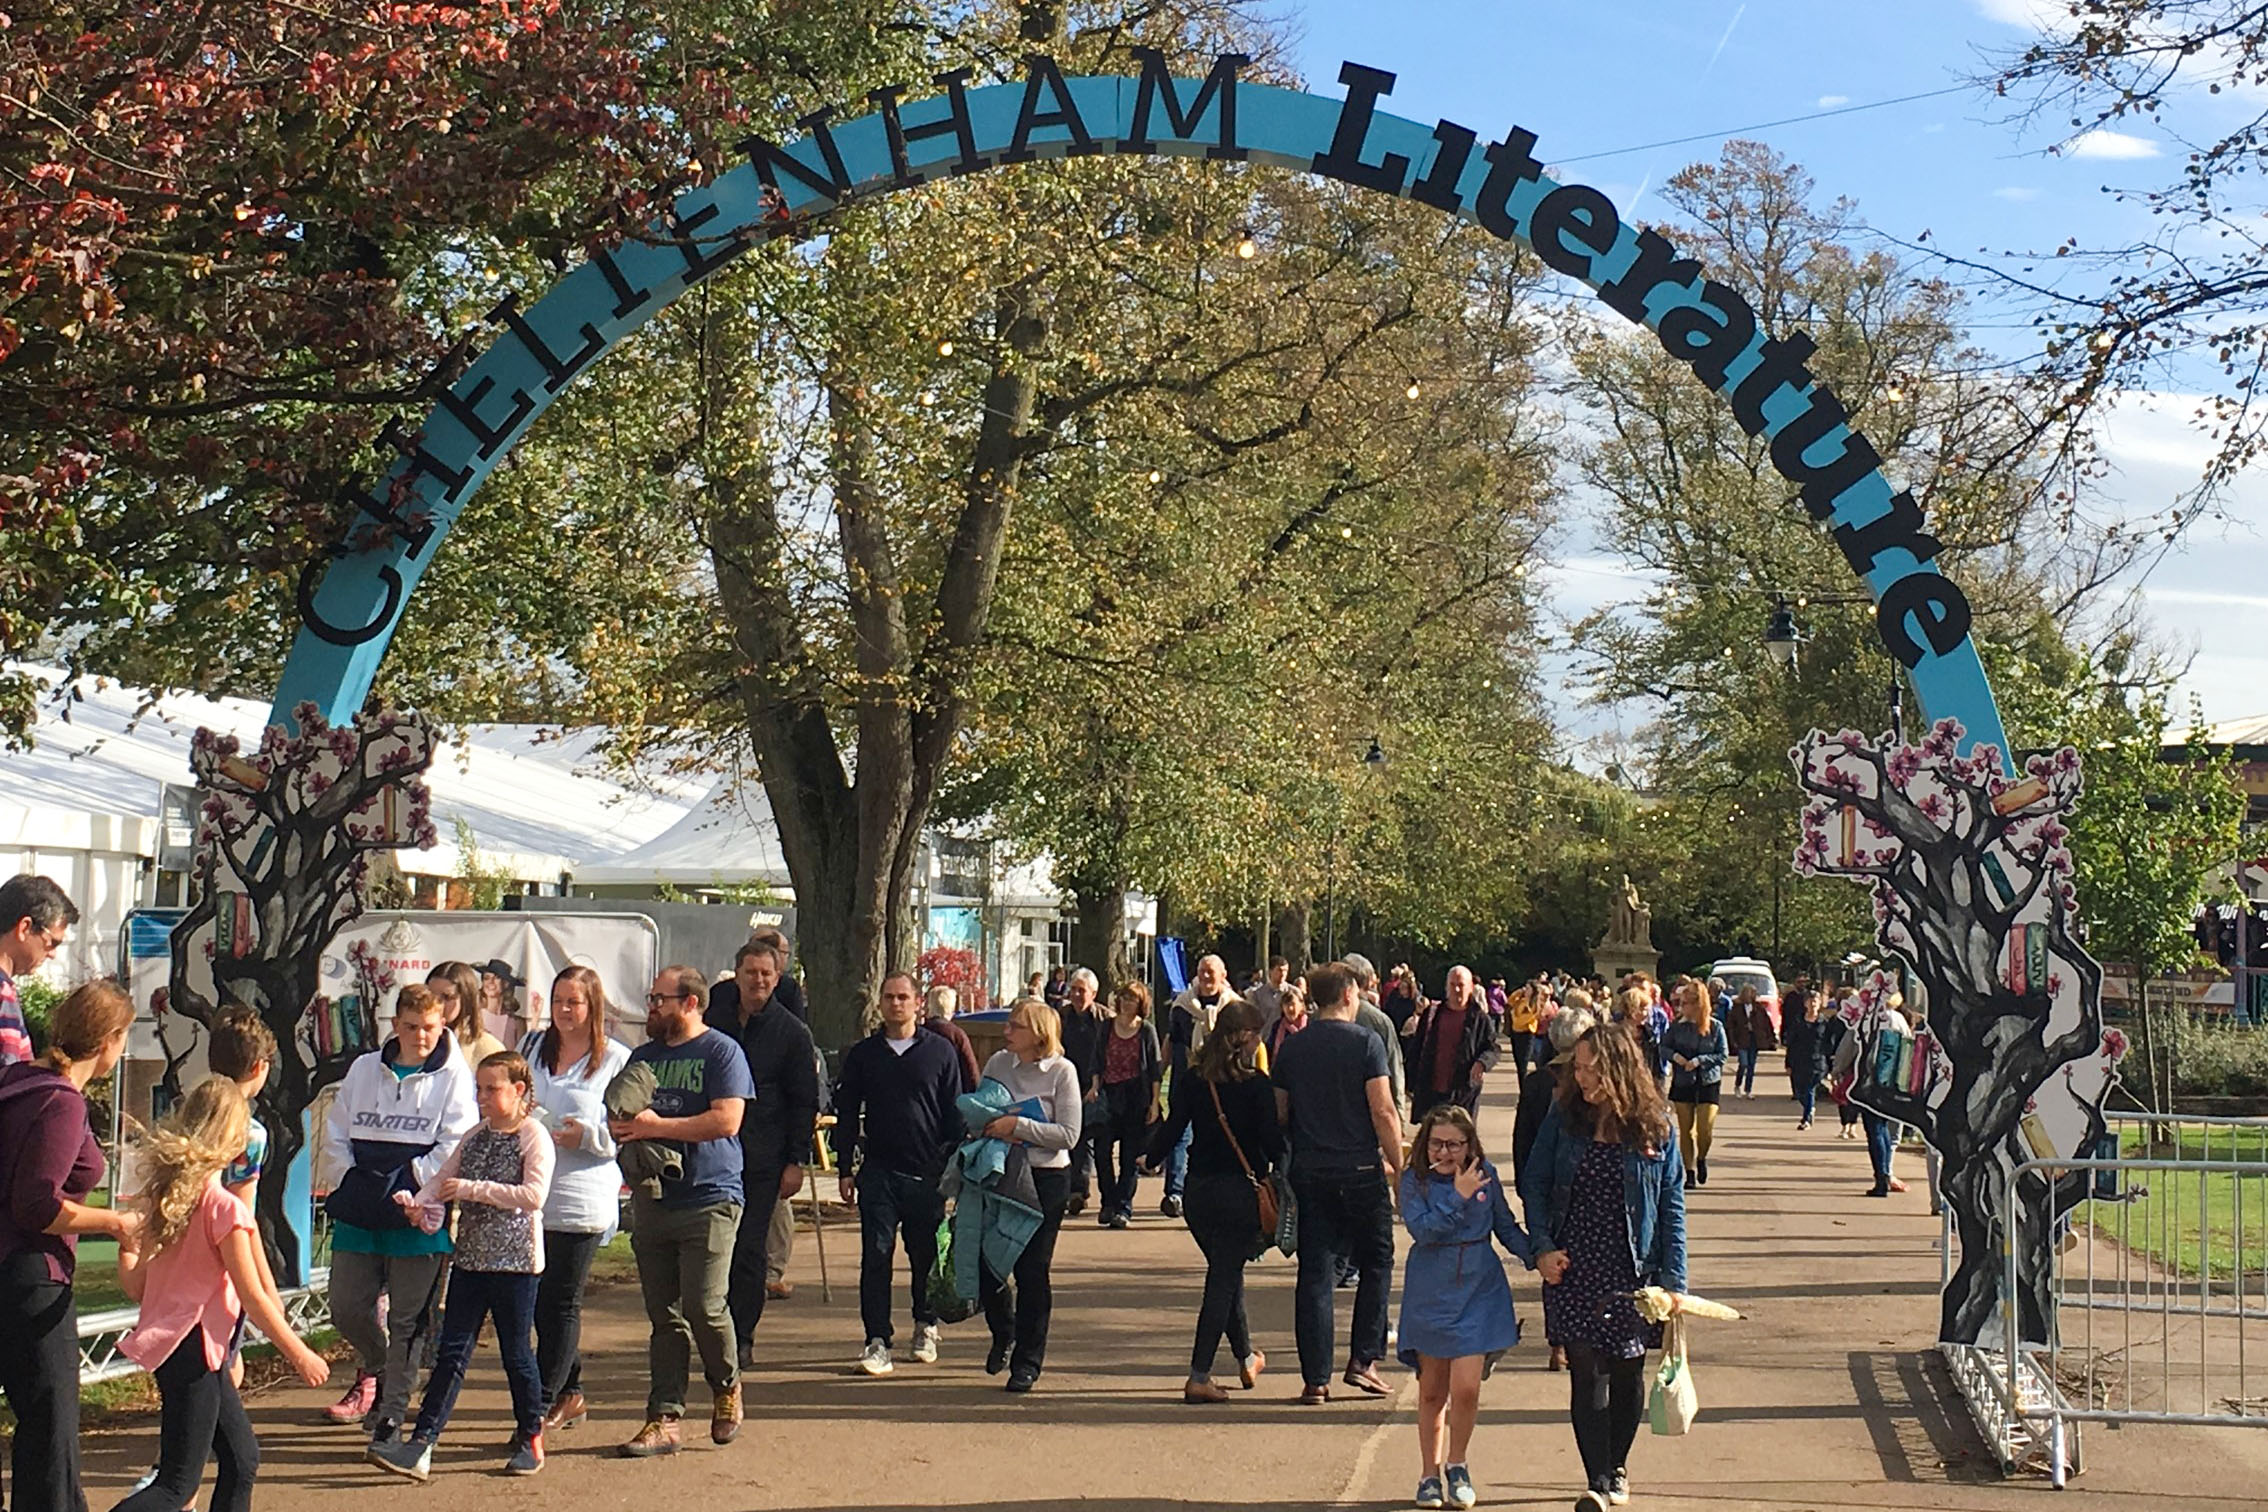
(896, 1121)
(786, 993)
(775, 1128)
(1453, 1045)
(1084, 1025)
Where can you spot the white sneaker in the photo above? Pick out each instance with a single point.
(874, 1360)
(925, 1344)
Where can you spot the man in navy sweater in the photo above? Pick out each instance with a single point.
(895, 1116)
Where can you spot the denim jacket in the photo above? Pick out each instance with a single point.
(1706, 1051)
(1653, 1198)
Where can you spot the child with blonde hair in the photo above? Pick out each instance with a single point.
(194, 1268)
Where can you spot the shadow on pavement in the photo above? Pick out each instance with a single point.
(1916, 1419)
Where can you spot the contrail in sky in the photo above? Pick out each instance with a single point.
(1730, 26)
(1727, 37)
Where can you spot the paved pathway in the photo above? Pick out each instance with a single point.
(1824, 1397)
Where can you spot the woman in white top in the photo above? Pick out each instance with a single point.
(1033, 1069)
(574, 1062)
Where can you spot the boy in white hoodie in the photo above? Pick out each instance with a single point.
(398, 1114)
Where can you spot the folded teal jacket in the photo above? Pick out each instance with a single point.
(995, 1206)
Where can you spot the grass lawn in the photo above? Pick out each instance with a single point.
(2191, 1222)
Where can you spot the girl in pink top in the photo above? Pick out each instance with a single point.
(194, 1268)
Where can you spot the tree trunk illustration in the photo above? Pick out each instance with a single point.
(1972, 891)
(284, 838)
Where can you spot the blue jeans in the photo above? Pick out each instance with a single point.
(1341, 1213)
(1746, 1081)
(891, 1203)
(1881, 1139)
(1807, 1098)
(474, 1298)
(1177, 1165)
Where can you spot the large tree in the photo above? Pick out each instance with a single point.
(1694, 506)
(843, 451)
(239, 237)
(1194, 668)
(2182, 302)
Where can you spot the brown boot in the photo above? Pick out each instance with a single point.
(1365, 1379)
(569, 1410)
(1195, 1392)
(724, 1417)
(659, 1436)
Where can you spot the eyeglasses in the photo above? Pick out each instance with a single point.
(1447, 1144)
(50, 938)
(656, 999)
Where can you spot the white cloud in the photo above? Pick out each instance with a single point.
(2031, 15)
(1829, 102)
(2109, 144)
(2016, 192)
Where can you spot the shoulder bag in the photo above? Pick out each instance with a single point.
(1274, 1203)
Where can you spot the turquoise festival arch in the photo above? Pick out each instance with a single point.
(349, 614)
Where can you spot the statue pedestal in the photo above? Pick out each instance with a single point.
(1615, 961)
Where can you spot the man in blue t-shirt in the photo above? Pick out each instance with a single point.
(683, 1238)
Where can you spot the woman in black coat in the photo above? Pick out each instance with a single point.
(1229, 1107)
(1805, 1034)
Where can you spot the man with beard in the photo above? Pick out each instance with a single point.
(684, 1237)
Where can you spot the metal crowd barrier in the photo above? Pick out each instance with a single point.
(2159, 1294)
(308, 1307)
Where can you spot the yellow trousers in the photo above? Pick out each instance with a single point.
(1696, 1130)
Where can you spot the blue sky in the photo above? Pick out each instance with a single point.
(1593, 78)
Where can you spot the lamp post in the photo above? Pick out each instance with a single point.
(1372, 760)
(1783, 640)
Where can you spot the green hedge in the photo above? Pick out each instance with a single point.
(39, 1000)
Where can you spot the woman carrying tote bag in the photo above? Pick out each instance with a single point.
(1604, 1192)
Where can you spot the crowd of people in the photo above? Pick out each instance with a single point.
(475, 1184)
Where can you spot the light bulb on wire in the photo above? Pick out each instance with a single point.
(1412, 390)
(944, 349)
(1246, 248)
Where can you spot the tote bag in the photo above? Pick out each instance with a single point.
(1673, 1403)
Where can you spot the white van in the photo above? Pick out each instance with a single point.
(1746, 971)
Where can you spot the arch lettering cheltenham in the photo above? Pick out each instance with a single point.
(2006, 1012)
(1923, 617)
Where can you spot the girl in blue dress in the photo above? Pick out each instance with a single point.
(1456, 1305)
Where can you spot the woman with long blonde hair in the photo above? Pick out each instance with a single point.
(1604, 1193)
(1695, 1047)
(194, 1269)
(1035, 1072)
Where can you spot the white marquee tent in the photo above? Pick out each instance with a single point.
(84, 804)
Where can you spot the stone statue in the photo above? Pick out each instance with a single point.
(1632, 923)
